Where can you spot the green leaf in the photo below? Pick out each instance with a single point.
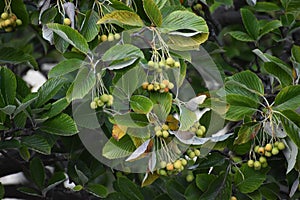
(37, 172)
(281, 75)
(292, 6)
(48, 90)
(291, 124)
(121, 18)
(83, 83)
(29, 191)
(204, 180)
(270, 26)
(129, 189)
(236, 113)
(37, 143)
(133, 120)
(57, 107)
(114, 149)
(7, 91)
(97, 190)
(288, 98)
(71, 36)
(179, 20)
(266, 7)
(251, 179)
(49, 15)
(19, 9)
(118, 52)
(153, 12)
(218, 189)
(211, 160)
(175, 190)
(250, 23)
(249, 81)
(24, 153)
(15, 56)
(2, 191)
(162, 104)
(279, 63)
(89, 29)
(62, 125)
(241, 36)
(65, 67)
(187, 118)
(23, 106)
(9, 144)
(246, 132)
(192, 192)
(9, 109)
(56, 179)
(141, 104)
(270, 191)
(296, 53)
(82, 177)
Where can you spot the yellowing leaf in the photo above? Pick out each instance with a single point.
(118, 131)
(122, 17)
(150, 179)
(172, 122)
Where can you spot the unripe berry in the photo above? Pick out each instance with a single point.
(163, 164)
(170, 61)
(170, 85)
(93, 105)
(189, 177)
(151, 63)
(161, 63)
(19, 22)
(165, 134)
(199, 133)
(162, 86)
(67, 21)
(184, 162)
(264, 165)
(103, 38)
(100, 103)
(197, 152)
(268, 154)
(104, 98)
(203, 128)
(250, 163)
(158, 133)
(233, 198)
(117, 36)
(157, 128)
(257, 165)
(262, 159)
(162, 172)
(177, 164)
(256, 149)
(150, 87)
(177, 64)
(165, 127)
(275, 151)
(281, 146)
(4, 15)
(192, 154)
(110, 37)
(145, 85)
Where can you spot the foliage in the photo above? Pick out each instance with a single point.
(135, 108)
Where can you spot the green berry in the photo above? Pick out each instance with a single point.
(163, 164)
(158, 133)
(157, 128)
(103, 38)
(100, 103)
(104, 98)
(264, 165)
(275, 151)
(250, 163)
(177, 64)
(281, 146)
(162, 172)
(177, 164)
(203, 128)
(268, 154)
(192, 154)
(170, 85)
(170, 61)
(165, 127)
(19, 22)
(93, 105)
(199, 133)
(184, 162)
(4, 15)
(110, 37)
(189, 178)
(150, 63)
(257, 165)
(197, 152)
(117, 36)
(67, 21)
(165, 134)
(262, 159)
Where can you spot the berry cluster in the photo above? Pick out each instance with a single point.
(163, 64)
(109, 37)
(265, 151)
(105, 99)
(198, 129)
(171, 167)
(9, 21)
(162, 131)
(162, 87)
(193, 152)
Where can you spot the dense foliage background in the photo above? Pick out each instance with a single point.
(255, 46)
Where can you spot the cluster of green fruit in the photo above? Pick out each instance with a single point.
(9, 21)
(198, 129)
(104, 99)
(163, 64)
(170, 168)
(162, 131)
(109, 37)
(265, 151)
(193, 152)
(162, 87)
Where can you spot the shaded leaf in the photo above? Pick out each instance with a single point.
(37, 143)
(29, 191)
(37, 172)
(15, 56)
(89, 29)
(288, 98)
(65, 67)
(118, 149)
(175, 190)
(241, 36)
(281, 75)
(153, 12)
(129, 189)
(247, 132)
(7, 91)
(270, 26)
(71, 36)
(97, 190)
(204, 180)
(62, 125)
(250, 23)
